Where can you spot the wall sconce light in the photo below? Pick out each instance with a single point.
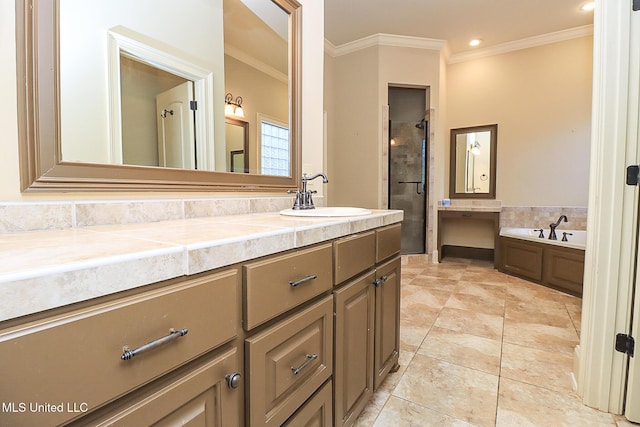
(475, 148)
(233, 107)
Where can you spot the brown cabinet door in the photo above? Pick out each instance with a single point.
(387, 319)
(564, 269)
(354, 308)
(522, 259)
(202, 397)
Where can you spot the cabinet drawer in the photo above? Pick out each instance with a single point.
(199, 396)
(316, 412)
(388, 242)
(276, 285)
(353, 255)
(75, 358)
(287, 363)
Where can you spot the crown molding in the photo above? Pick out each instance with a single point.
(383, 40)
(441, 45)
(558, 36)
(241, 56)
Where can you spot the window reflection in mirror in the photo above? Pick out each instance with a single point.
(473, 162)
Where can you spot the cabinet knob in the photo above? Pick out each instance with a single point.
(234, 379)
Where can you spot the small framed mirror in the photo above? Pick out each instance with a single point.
(472, 172)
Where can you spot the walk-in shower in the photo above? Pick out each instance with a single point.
(408, 147)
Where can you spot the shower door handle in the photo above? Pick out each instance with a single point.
(418, 184)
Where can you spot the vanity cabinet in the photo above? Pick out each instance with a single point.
(297, 338)
(85, 358)
(367, 317)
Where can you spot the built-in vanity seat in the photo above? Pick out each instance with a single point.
(483, 214)
(251, 320)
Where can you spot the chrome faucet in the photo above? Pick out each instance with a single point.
(552, 233)
(304, 200)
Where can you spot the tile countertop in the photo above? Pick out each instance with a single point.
(470, 208)
(48, 269)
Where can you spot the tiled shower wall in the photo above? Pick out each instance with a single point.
(31, 216)
(542, 216)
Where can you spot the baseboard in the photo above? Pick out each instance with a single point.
(467, 252)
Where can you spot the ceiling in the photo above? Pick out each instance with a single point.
(456, 21)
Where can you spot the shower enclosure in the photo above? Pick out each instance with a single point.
(408, 147)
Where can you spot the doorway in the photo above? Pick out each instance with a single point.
(408, 148)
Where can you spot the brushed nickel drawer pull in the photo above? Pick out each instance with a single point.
(310, 358)
(309, 278)
(173, 334)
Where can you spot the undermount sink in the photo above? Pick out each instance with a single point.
(327, 211)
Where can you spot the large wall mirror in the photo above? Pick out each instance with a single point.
(472, 173)
(124, 95)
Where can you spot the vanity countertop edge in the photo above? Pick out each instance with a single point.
(42, 270)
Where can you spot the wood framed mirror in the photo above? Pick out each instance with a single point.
(472, 171)
(45, 163)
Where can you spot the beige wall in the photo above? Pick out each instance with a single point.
(541, 100)
(261, 94)
(312, 121)
(356, 89)
(353, 160)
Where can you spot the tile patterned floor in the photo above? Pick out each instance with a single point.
(481, 348)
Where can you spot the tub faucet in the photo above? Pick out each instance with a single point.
(303, 197)
(552, 233)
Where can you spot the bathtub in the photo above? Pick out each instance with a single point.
(577, 239)
(552, 263)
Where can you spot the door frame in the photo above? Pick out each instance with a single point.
(121, 40)
(601, 372)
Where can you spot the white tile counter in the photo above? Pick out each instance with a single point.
(41, 270)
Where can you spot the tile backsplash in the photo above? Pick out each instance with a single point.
(16, 217)
(542, 216)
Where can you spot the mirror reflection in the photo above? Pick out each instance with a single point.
(473, 153)
(151, 92)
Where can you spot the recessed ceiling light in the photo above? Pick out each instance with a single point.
(588, 6)
(475, 42)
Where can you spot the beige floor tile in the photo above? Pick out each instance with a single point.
(542, 312)
(411, 337)
(450, 389)
(401, 413)
(423, 297)
(372, 409)
(548, 369)
(391, 381)
(575, 312)
(484, 325)
(478, 304)
(543, 337)
(463, 326)
(438, 283)
(487, 290)
(462, 349)
(522, 404)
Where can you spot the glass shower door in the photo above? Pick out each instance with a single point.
(407, 181)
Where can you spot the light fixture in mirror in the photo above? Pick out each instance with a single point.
(473, 162)
(67, 129)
